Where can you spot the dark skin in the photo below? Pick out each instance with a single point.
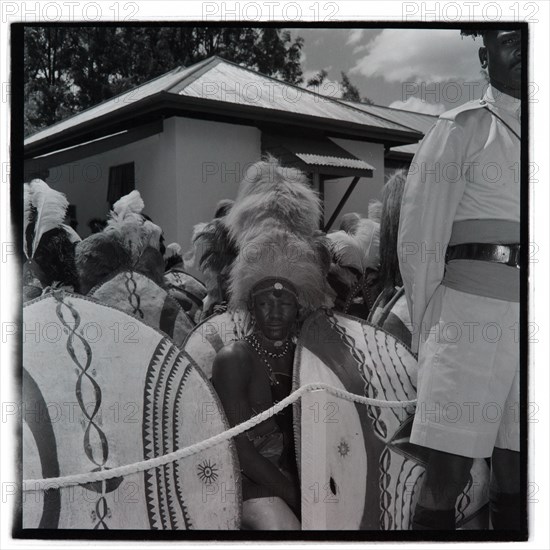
(501, 56)
(241, 379)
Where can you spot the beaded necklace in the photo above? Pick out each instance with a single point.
(264, 354)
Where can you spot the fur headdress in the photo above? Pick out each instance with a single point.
(98, 256)
(137, 233)
(48, 242)
(271, 195)
(279, 255)
(275, 221)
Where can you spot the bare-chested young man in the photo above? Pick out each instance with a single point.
(279, 276)
(250, 376)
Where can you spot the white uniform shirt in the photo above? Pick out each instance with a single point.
(467, 167)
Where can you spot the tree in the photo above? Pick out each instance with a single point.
(47, 90)
(349, 91)
(68, 69)
(316, 80)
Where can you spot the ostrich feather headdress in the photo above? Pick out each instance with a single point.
(280, 255)
(359, 250)
(127, 221)
(271, 195)
(44, 210)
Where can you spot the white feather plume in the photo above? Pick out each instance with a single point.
(74, 237)
(151, 234)
(360, 250)
(130, 203)
(27, 215)
(51, 207)
(173, 249)
(374, 211)
(126, 220)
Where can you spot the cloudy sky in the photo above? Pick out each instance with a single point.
(415, 69)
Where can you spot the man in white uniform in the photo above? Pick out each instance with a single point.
(459, 259)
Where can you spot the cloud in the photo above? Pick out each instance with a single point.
(355, 36)
(418, 106)
(419, 55)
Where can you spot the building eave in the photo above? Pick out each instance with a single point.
(164, 104)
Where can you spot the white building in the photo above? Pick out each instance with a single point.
(185, 139)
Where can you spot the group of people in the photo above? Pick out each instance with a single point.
(433, 256)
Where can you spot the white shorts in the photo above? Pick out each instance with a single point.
(468, 375)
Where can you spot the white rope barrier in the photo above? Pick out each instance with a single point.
(120, 471)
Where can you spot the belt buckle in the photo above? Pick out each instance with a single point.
(513, 256)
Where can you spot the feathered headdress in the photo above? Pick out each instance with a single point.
(275, 221)
(280, 255)
(44, 210)
(48, 242)
(173, 249)
(359, 250)
(374, 211)
(127, 221)
(223, 207)
(349, 221)
(214, 248)
(271, 195)
(98, 256)
(172, 256)
(392, 194)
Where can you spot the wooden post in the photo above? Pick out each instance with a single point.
(342, 202)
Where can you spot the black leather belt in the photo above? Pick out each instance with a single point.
(507, 254)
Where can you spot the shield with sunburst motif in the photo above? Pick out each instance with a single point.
(108, 391)
(358, 467)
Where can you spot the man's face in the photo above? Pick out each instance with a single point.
(275, 313)
(501, 55)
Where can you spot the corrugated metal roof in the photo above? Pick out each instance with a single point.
(409, 149)
(217, 79)
(321, 155)
(322, 160)
(162, 83)
(231, 83)
(421, 122)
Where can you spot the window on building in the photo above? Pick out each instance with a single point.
(121, 181)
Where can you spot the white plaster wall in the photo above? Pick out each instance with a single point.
(211, 159)
(181, 174)
(184, 171)
(85, 182)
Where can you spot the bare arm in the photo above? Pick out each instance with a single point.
(231, 374)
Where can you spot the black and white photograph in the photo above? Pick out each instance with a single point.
(272, 280)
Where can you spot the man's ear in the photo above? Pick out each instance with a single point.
(483, 57)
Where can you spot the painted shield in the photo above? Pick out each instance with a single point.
(211, 335)
(135, 293)
(358, 468)
(102, 389)
(187, 290)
